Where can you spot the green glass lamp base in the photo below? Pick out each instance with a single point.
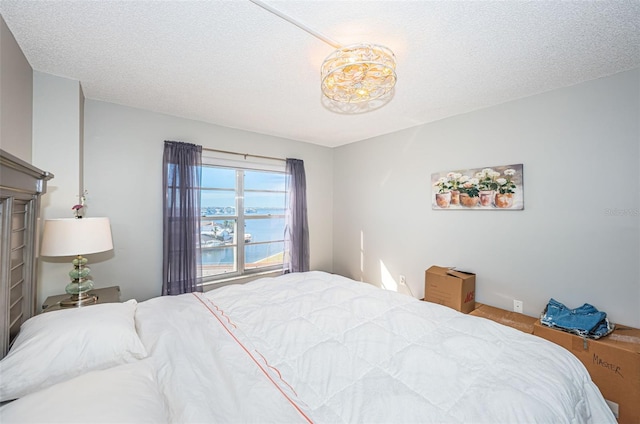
(79, 286)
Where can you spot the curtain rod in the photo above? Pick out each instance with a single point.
(243, 154)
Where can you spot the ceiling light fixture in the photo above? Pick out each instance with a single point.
(351, 74)
(358, 73)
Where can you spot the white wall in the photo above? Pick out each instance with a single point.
(580, 147)
(57, 147)
(123, 175)
(15, 97)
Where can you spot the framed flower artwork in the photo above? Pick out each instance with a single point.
(490, 188)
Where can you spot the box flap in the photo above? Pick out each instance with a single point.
(437, 270)
(459, 274)
(624, 337)
(512, 319)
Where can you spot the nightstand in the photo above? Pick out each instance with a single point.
(105, 295)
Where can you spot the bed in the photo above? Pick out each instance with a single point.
(302, 347)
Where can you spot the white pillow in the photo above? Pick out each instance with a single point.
(59, 345)
(124, 394)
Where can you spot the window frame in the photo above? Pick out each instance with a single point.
(240, 217)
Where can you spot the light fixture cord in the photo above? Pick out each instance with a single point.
(300, 25)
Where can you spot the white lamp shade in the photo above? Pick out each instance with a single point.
(73, 236)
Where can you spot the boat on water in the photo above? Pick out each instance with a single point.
(210, 242)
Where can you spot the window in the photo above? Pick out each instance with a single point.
(242, 221)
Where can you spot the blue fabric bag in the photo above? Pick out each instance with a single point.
(585, 321)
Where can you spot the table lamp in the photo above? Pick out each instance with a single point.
(77, 237)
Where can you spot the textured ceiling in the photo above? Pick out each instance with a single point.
(235, 64)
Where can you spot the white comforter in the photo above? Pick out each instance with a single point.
(317, 347)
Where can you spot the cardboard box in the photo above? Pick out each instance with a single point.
(448, 287)
(613, 363)
(512, 319)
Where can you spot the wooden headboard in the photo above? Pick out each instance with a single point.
(21, 186)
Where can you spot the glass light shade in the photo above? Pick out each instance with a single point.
(358, 73)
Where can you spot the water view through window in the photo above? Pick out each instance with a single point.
(242, 224)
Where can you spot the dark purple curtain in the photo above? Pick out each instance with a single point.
(297, 227)
(182, 170)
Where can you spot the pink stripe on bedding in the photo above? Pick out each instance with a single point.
(253, 358)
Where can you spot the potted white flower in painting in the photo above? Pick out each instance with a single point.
(455, 182)
(469, 192)
(487, 185)
(505, 190)
(443, 196)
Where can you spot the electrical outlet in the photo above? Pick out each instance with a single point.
(403, 280)
(517, 306)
